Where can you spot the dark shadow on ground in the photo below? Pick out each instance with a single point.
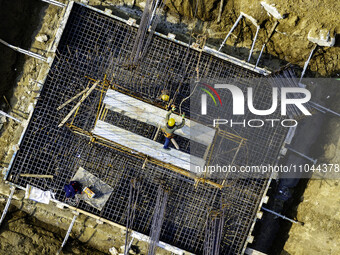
(19, 23)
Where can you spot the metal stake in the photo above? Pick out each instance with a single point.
(271, 32)
(56, 3)
(9, 116)
(307, 62)
(258, 59)
(26, 52)
(68, 232)
(282, 216)
(7, 204)
(316, 106)
(231, 30)
(303, 155)
(252, 46)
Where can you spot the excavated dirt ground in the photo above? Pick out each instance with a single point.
(24, 234)
(23, 20)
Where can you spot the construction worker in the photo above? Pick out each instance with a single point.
(163, 98)
(170, 128)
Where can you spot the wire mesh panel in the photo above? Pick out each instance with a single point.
(94, 46)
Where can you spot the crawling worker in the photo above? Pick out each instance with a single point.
(170, 128)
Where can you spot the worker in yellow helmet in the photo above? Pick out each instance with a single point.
(171, 127)
(165, 97)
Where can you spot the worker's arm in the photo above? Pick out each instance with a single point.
(167, 117)
(182, 123)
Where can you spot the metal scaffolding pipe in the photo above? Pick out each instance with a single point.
(153, 13)
(303, 155)
(26, 52)
(7, 204)
(220, 11)
(281, 216)
(68, 232)
(9, 116)
(258, 59)
(252, 46)
(231, 30)
(56, 3)
(307, 62)
(316, 106)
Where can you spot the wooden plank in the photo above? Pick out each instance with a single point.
(37, 175)
(88, 92)
(139, 110)
(72, 99)
(147, 146)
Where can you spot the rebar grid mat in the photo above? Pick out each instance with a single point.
(94, 45)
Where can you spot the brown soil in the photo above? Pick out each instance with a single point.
(289, 42)
(24, 234)
(320, 212)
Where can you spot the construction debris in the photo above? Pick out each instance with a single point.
(272, 10)
(321, 37)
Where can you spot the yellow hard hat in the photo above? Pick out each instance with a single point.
(165, 98)
(171, 122)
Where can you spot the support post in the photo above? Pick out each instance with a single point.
(56, 3)
(9, 116)
(307, 62)
(153, 14)
(303, 155)
(318, 107)
(231, 30)
(254, 41)
(281, 216)
(271, 32)
(26, 52)
(68, 232)
(258, 59)
(7, 204)
(126, 251)
(220, 11)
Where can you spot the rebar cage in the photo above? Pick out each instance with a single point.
(95, 46)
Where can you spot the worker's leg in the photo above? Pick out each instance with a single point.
(174, 143)
(166, 144)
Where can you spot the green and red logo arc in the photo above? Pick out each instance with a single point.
(210, 94)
